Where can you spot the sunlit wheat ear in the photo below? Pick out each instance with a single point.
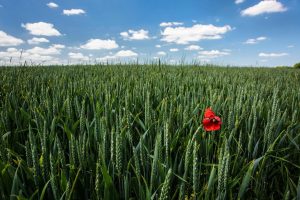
(35, 162)
(73, 151)
(165, 191)
(112, 146)
(167, 142)
(68, 189)
(154, 165)
(187, 158)
(147, 110)
(119, 156)
(104, 138)
(196, 174)
(98, 174)
(251, 136)
(45, 152)
(53, 178)
(223, 170)
(220, 169)
(82, 117)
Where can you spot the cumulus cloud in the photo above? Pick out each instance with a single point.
(135, 35)
(174, 49)
(158, 46)
(272, 54)
(193, 48)
(10, 53)
(238, 1)
(8, 40)
(161, 53)
(97, 44)
(36, 40)
(73, 12)
(185, 35)
(36, 54)
(52, 50)
(265, 6)
(126, 53)
(120, 54)
(41, 28)
(52, 5)
(166, 24)
(212, 54)
(255, 40)
(78, 56)
(58, 46)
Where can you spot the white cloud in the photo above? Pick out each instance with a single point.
(174, 50)
(126, 53)
(193, 48)
(255, 40)
(58, 46)
(52, 50)
(135, 35)
(36, 40)
(120, 54)
(161, 53)
(238, 1)
(97, 44)
(78, 56)
(32, 55)
(290, 46)
(73, 12)
(158, 46)
(185, 35)
(10, 53)
(166, 24)
(265, 6)
(41, 28)
(272, 54)
(212, 54)
(52, 5)
(8, 40)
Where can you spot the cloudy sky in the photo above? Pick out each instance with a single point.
(234, 32)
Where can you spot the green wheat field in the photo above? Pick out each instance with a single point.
(135, 132)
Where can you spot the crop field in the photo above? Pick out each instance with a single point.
(136, 132)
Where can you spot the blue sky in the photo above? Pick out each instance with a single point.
(234, 32)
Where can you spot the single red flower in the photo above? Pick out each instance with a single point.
(211, 122)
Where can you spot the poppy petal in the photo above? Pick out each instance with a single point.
(205, 121)
(217, 119)
(209, 113)
(208, 127)
(216, 127)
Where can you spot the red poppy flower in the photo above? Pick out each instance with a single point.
(211, 122)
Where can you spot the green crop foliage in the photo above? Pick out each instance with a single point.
(134, 132)
(297, 65)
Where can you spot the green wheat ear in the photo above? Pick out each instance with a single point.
(164, 194)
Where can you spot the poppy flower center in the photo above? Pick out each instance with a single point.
(213, 120)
